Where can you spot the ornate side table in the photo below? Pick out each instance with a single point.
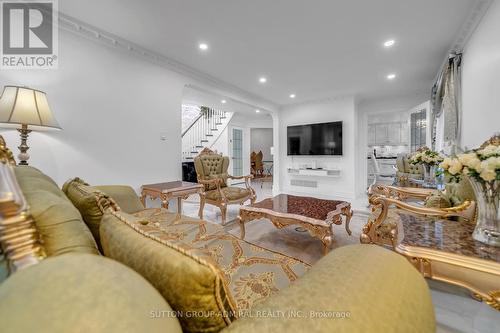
(441, 249)
(317, 216)
(176, 189)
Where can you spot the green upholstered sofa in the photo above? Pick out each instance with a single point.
(208, 279)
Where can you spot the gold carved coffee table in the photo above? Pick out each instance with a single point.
(317, 216)
(176, 189)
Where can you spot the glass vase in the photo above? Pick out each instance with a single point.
(429, 176)
(488, 220)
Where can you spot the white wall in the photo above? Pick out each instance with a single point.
(113, 108)
(341, 109)
(481, 81)
(261, 139)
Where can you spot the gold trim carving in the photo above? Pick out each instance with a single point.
(19, 239)
(6, 155)
(322, 230)
(481, 277)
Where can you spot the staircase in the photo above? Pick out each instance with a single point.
(204, 131)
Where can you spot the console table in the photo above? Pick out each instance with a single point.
(176, 189)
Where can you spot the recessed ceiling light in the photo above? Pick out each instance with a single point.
(389, 43)
(292, 95)
(223, 101)
(262, 80)
(257, 111)
(391, 76)
(203, 46)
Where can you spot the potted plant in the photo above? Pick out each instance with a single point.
(429, 160)
(482, 167)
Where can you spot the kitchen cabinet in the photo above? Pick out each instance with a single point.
(405, 134)
(390, 134)
(394, 133)
(371, 134)
(381, 133)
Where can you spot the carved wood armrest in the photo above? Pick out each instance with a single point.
(215, 181)
(247, 181)
(371, 231)
(400, 193)
(466, 210)
(240, 177)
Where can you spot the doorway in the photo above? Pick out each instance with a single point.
(237, 151)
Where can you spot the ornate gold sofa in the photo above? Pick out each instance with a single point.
(209, 278)
(211, 169)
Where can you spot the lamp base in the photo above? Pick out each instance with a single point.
(23, 148)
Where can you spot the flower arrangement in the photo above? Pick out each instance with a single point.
(482, 164)
(426, 156)
(482, 167)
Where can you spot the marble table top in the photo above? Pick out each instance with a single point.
(444, 235)
(314, 208)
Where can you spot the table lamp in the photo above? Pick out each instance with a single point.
(25, 109)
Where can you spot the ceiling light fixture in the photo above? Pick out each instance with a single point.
(203, 46)
(292, 95)
(223, 101)
(389, 43)
(257, 111)
(391, 76)
(262, 80)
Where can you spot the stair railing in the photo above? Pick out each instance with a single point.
(196, 135)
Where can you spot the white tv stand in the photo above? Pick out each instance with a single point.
(315, 172)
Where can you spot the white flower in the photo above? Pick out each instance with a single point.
(489, 168)
(488, 175)
(489, 150)
(446, 163)
(470, 160)
(455, 167)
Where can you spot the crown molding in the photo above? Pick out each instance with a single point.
(470, 25)
(102, 37)
(466, 31)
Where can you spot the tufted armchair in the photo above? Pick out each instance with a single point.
(406, 170)
(211, 169)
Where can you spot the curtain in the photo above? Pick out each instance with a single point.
(447, 106)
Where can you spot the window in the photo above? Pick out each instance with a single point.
(418, 128)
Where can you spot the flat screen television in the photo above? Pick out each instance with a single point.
(315, 139)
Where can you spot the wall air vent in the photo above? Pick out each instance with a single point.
(303, 183)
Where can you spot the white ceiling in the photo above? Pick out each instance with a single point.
(196, 96)
(314, 48)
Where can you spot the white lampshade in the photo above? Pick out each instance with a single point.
(272, 150)
(24, 106)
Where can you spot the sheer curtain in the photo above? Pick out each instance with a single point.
(447, 106)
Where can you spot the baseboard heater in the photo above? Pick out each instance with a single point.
(303, 183)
